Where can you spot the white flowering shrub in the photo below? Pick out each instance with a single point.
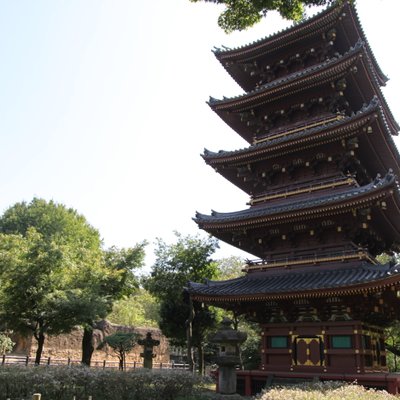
(62, 383)
(325, 391)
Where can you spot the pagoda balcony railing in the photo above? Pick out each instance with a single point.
(311, 259)
(312, 187)
(299, 128)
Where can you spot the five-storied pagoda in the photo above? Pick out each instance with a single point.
(320, 170)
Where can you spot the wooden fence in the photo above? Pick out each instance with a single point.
(105, 364)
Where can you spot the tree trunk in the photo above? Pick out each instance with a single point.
(40, 339)
(189, 323)
(200, 350)
(87, 345)
(121, 360)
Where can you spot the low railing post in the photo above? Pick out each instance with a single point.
(104, 364)
(27, 360)
(3, 361)
(48, 361)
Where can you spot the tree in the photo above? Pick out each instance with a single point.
(189, 259)
(6, 344)
(242, 14)
(230, 267)
(122, 343)
(392, 344)
(139, 309)
(51, 270)
(118, 281)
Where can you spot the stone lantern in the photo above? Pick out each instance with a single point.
(228, 358)
(148, 343)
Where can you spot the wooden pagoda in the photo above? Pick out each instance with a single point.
(320, 170)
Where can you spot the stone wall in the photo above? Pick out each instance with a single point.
(69, 345)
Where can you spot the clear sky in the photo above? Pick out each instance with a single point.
(103, 108)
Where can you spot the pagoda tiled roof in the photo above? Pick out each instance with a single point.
(312, 282)
(288, 85)
(313, 74)
(289, 36)
(349, 123)
(375, 190)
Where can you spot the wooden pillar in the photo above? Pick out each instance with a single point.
(392, 387)
(247, 385)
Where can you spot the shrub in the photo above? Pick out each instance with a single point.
(62, 383)
(325, 391)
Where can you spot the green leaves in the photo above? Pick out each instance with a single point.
(6, 344)
(242, 14)
(54, 274)
(139, 309)
(188, 259)
(123, 263)
(122, 343)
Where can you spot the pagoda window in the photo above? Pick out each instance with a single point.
(366, 342)
(341, 342)
(300, 227)
(278, 342)
(368, 360)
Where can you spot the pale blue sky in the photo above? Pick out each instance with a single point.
(102, 108)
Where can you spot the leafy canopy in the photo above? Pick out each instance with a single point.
(188, 259)
(121, 342)
(52, 270)
(124, 262)
(242, 14)
(139, 309)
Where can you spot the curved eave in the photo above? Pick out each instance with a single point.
(382, 145)
(287, 85)
(228, 109)
(378, 150)
(257, 216)
(335, 130)
(291, 36)
(384, 283)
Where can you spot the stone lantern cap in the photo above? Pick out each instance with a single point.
(227, 335)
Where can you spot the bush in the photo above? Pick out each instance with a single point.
(62, 383)
(325, 391)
